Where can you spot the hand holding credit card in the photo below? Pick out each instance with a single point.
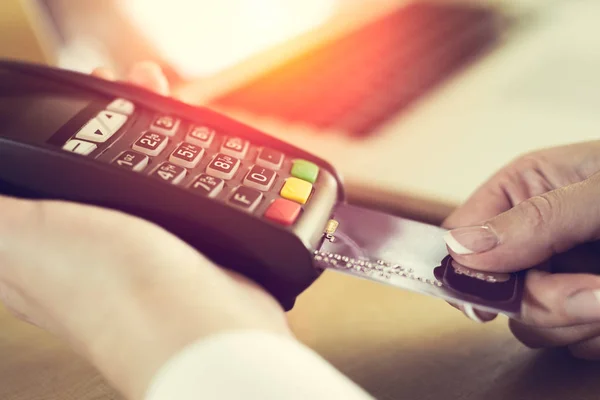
(413, 256)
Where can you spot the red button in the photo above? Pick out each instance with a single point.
(283, 211)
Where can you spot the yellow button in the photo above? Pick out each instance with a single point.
(296, 190)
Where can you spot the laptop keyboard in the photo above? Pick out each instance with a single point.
(359, 81)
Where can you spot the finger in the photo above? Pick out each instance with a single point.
(104, 73)
(537, 338)
(488, 201)
(512, 185)
(532, 231)
(476, 315)
(559, 300)
(587, 349)
(473, 313)
(150, 76)
(581, 259)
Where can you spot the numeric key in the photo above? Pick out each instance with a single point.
(201, 136)
(169, 173)
(187, 155)
(207, 185)
(235, 147)
(259, 178)
(223, 166)
(165, 124)
(132, 160)
(151, 143)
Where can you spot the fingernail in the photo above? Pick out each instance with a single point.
(470, 240)
(470, 312)
(584, 305)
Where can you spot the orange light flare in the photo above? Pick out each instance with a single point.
(199, 38)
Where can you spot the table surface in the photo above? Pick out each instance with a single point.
(395, 344)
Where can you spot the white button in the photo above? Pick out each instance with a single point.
(223, 166)
(187, 155)
(269, 158)
(80, 147)
(165, 124)
(121, 106)
(201, 136)
(170, 173)
(112, 120)
(94, 131)
(132, 160)
(151, 143)
(208, 185)
(259, 178)
(235, 147)
(246, 198)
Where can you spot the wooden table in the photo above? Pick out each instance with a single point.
(395, 344)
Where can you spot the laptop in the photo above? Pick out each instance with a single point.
(418, 103)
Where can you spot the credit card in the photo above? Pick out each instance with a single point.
(413, 256)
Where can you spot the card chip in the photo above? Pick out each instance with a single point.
(330, 229)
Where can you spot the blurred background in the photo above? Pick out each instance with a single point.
(415, 102)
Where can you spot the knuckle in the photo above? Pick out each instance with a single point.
(539, 211)
(532, 160)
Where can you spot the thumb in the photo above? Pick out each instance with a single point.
(532, 231)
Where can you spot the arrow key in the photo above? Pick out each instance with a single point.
(94, 131)
(111, 120)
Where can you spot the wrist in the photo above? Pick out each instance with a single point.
(147, 327)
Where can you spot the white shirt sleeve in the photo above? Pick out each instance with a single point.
(250, 365)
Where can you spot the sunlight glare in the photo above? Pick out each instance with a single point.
(199, 38)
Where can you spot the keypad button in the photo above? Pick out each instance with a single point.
(111, 120)
(165, 124)
(305, 170)
(235, 147)
(207, 185)
(121, 106)
(283, 211)
(151, 143)
(259, 178)
(201, 136)
(187, 155)
(132, 160)
(245, 198)
(223, 166)
(94, 131)
(269, 158)
(169, 173)
(80, 147)
(296, 190)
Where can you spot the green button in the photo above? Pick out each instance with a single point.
(305, 170)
